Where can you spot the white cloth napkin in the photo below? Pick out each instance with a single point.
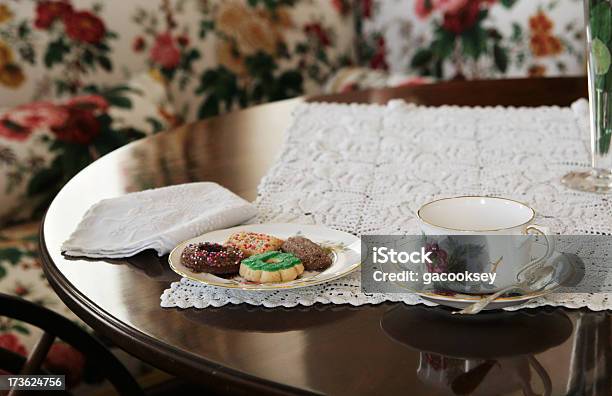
(156, 219)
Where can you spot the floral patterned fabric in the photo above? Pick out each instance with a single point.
(472, 39)
(44, 143)
(54, 48)
(216, 54)
(219, 55)
(244, 52)
(359, 78)
(21, 275)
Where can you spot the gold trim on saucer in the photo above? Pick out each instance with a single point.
(466, 298)
(533, 213)
(469, 299)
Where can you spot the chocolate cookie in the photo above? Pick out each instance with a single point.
(313, 256)
(212, 258)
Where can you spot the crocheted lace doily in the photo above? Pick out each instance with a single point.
(365, 169)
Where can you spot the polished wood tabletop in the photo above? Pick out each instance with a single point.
(325, 349)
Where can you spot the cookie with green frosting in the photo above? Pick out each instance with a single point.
(271, 267)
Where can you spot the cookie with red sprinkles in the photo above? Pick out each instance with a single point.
(251, 243)
(212, 258)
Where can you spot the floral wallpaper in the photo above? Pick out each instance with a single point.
(449, 39)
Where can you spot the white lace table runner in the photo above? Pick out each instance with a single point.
(365, 169)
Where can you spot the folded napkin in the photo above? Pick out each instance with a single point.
(156, 219)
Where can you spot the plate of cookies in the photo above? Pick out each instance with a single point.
(267, 256)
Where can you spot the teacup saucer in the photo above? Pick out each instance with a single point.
(564, 270)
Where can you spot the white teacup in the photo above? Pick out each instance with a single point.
(484, 221)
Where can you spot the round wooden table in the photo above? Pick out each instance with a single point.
(340, 350)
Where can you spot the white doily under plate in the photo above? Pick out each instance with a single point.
(365, 169)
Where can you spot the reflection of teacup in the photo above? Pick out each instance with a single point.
(487, 354)
(499, 226)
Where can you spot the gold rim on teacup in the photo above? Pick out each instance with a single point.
(533, 213)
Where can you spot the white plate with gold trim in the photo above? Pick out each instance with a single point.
(344, 248)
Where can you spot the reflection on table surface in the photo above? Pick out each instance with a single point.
(497, 352)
